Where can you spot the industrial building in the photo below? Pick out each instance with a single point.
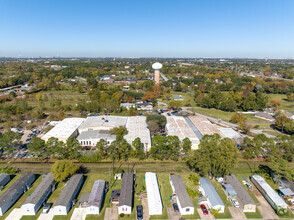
(181, 195)
(4, 179)
(246, 202)
(96, 198)
(12, 194)
(204, 126)
(178, 126)
(39, 196)
(126, 194)
(153, 194)
(68, 194)
(137, 127)
(269, 194)
(213, 200)
(230, 133)
(102, 122)
(67, 128)
(90, 138)
(95, 128)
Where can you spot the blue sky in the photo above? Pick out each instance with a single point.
(147, 28)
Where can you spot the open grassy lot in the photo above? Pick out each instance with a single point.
(286, 105)
(253, 214)
(212, 112)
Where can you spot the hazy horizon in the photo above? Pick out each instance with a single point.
(156, 29)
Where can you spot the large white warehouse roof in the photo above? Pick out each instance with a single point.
(65, 129)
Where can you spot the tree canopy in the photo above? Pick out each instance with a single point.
(63, 169)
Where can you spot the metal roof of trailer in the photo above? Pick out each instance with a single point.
(3, 177)
(126, 191)
(64, 129)
(97, 193)
(269, 191)
(14, 187)
(153, 195)
(137, 127)
(181, 191)
(210, 192)
(241, 192)
(40, 190)
(68, 190)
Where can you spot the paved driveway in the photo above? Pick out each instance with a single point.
(237, 213)
(202, 216)
(16, 214)
(265, 209)
(172, 215)
(78, 214)
(146, 215)
(47, 216)
(111, 213)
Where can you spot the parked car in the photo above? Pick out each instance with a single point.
(204, 209)
(176, 207)
(46, 208)
(235, 203)
(139, 210)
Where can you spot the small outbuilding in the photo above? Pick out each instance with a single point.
(181, 195)
(230, 192)
(153, 194)
(39, 196)
(4, 179)
(213, 199)
(114, 198)
(126, 194)
(68, 194)
(12, 194)
(96, 198)
(245, 200)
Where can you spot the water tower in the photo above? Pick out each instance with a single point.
(157, 67)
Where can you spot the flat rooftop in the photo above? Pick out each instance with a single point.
(178, 126)
(64, 129)
(109, 121)
(137, 127)
(204, 125)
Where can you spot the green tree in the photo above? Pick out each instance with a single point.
(238, 118)
(165, 147)
(101, 147)
(9, 141)
(215, 156)
(186, 145)
(138, 149)
(71, 149)
(119, 131)
(63, 169)
(37, 147)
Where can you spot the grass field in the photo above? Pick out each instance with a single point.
(286, 105)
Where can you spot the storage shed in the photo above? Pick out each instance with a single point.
(229, 190)
(213, 199)
(126, 194)
(153, 194)
(12, 194)
(96, 198)
(68, 194)
(184, 202)
(245, 200)
(269, 194)
(39, 196)
(4, 179)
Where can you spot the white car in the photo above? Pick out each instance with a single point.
(236, 203)
(46, 208)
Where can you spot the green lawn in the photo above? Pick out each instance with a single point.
(212, 112)
(286, 105)
(253, 214)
